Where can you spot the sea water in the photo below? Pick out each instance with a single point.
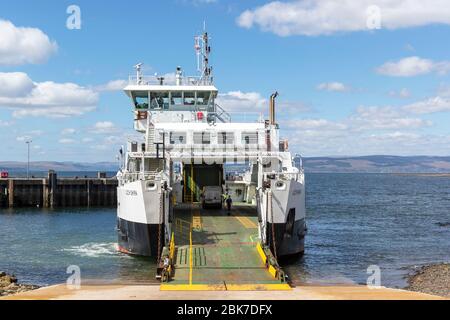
(394, 222)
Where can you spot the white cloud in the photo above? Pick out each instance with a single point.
(66, 141)
(68, 131)
(29, 135)
(252, 104)
(47, 99)
(315, 124)
(21, 45)
(402, 93)
(369, 130)
(325, 17)
(104, 127)
(333, 86)
(15, 84)
(413, 66)
(431, 105)
(238, 101)
(113, 140)
(114, 85)
(397, 135)
(289, 108)
(321, 142)
(384, 118)
(63, 112)
(86, 140)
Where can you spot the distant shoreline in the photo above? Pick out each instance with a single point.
(424, 174)
(385, 164)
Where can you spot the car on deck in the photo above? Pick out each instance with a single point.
(212, 197)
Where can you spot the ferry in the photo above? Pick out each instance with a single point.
(188, 141)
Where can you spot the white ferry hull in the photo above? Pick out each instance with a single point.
(286, 226)
(141, 229)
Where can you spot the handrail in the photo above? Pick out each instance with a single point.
(170, 80)
(221, 114)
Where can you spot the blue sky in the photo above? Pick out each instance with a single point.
(344, 89)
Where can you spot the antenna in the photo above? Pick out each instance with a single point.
(203, 49)
(138, 68)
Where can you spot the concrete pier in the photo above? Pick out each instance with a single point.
(52, 192)
(148, 292)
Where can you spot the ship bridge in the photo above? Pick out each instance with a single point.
(174, 98)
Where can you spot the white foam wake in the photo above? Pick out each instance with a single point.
(94, 250)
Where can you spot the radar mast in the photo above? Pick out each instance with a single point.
(203, 50)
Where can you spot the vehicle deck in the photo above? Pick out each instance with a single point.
(224, 251)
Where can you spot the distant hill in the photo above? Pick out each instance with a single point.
(58, 166)
(364, 164)
(378, 164)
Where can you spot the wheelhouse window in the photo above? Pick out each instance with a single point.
(141, 100)
(177, 137)
(176, 98)
(202, 138)
(189, 98)
(225, 138)
(159, 100)
(249, 137)
(203, 98)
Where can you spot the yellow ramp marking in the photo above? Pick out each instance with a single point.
(273, 271)
(246, 222)
(259, 287)
(263, 256)
(192, 287)
(190, 259)
(261, 253)
(226, 287)
(197, 220)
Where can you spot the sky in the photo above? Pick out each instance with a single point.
(354, 77)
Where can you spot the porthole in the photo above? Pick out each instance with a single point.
(151, 186)
(280, 185)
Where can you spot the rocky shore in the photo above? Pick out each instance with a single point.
(9, 285)
(432, 279)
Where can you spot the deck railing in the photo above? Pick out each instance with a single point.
(169, 80)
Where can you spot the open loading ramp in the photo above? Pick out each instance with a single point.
(217, 251)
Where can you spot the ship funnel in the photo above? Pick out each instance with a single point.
(272, 108)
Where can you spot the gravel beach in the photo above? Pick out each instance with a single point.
(432, 279)
(9, 285)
